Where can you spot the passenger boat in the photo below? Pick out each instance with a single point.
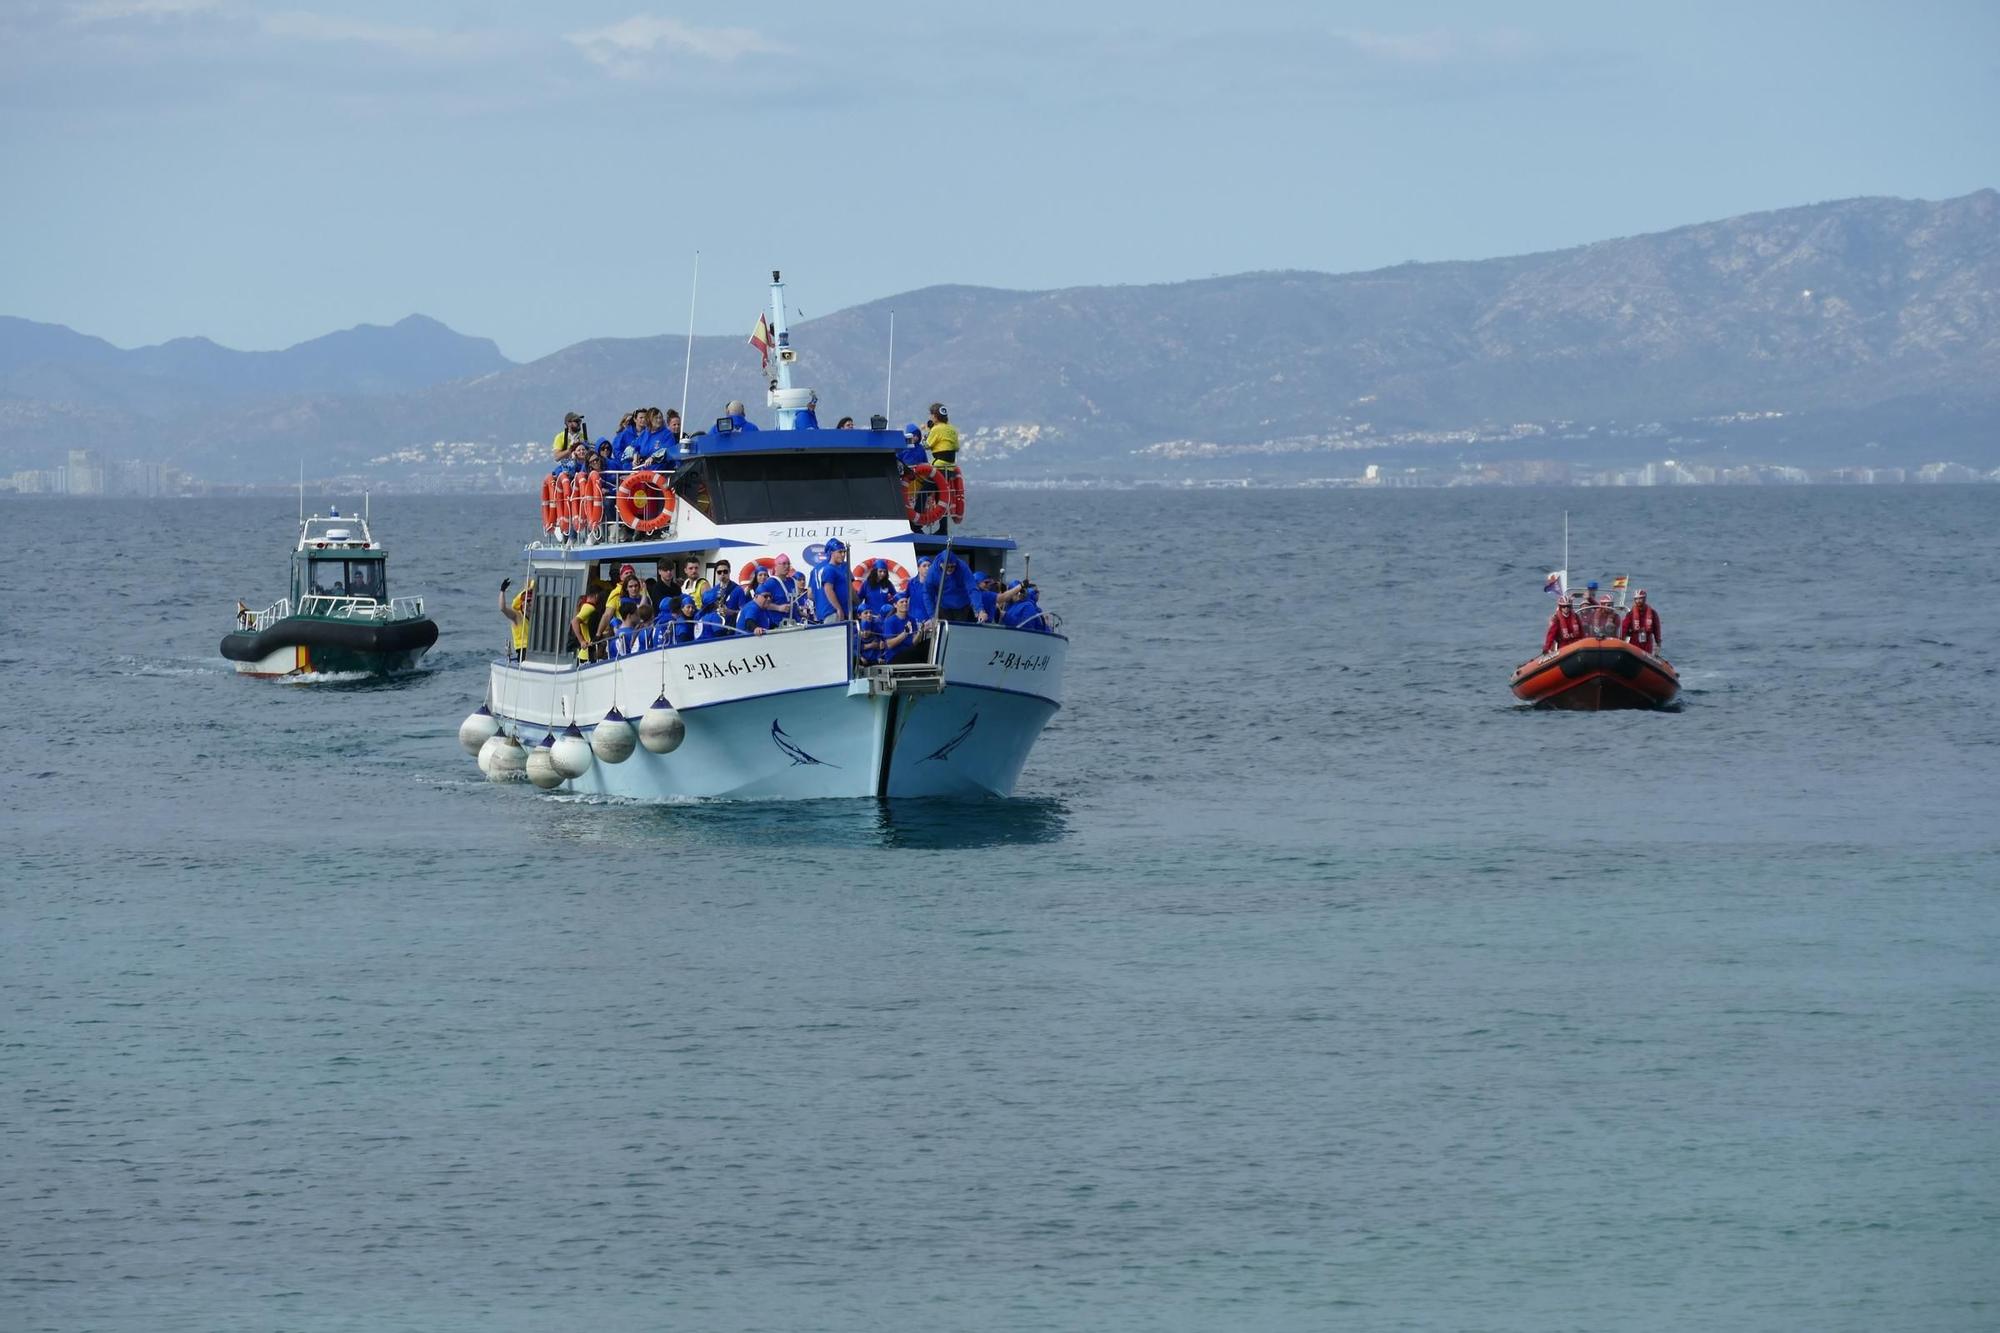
(339, 617)
(791, 713)
(1596, 673)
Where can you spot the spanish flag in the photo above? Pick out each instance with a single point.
(1618, 584)
(760, 338)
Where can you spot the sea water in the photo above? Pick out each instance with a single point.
(1308, 980)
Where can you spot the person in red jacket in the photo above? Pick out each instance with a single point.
(1564, 628)
(1641, 626)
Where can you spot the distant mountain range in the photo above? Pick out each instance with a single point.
(1867, 323)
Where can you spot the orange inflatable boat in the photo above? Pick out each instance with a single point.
(1597, 673)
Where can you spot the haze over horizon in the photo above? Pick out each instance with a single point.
(265, 176)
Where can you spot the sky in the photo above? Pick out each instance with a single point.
(263, 173)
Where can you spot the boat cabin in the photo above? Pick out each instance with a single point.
(337, 558)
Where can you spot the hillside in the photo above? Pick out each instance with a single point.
(1835, 311)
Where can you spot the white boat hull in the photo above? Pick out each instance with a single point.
(793, 722)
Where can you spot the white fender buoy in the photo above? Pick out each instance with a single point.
(487, 750)
(509, 762)
(477, 729)
(613, 738)
(660, 728)
(571, 753)
(542, 765)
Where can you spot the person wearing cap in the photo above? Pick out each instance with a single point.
(832, 585)
(941, 439)
(1641, 626)
(710, 624)
(878, 590)
(795, 587)
(1564, 628)
(573, 433)
(897, 631)
(771, 605)
(1025, 611)
(517, 612)
(1598, 619)
(945, 589)
(986, 597)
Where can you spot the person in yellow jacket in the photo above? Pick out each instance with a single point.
(573, 433)
(941, 439)
(517, 612)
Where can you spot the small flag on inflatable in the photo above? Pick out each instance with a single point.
(1618, 584)
(1557, 583)
(760, 338)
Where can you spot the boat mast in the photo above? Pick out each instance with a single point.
(788, 401)
(687, 371)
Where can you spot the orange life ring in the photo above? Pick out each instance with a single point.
(552, 508)
(587, 502)
(934, 510)
(629, 502)
(565, 499)
(750, 569)
(896, 571)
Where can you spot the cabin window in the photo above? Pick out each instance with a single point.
(784, 488)
(346, 578)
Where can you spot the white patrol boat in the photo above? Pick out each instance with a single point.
(798, 711)
(338, 618)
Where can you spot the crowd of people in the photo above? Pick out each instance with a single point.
(692, 602)
(1591, 615)
(649, 438)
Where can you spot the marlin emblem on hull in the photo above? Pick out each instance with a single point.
(791, 747)
(944, 751)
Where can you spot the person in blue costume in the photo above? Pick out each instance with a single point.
(986, 598)
(628, 433)
(735, 413)
(913, 451)
(948, 589)
(807, 418)
(832, 585)
(878, 590)
(897, 630)
(769, 608)
(1025, 611)
(710, 624)
(795, 587)
(682, 628)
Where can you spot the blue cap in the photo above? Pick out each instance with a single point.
(910, 428)
(1592, 585)
(708, 596)
(687, 603)
(834, 544)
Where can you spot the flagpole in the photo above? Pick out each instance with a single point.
(1565, 563)
(889, 389)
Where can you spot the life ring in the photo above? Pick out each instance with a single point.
(564, 497)
(751, 570)
(630, 503)
(587, 506)
(933, 508)
(896, 571)
(552, 508)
